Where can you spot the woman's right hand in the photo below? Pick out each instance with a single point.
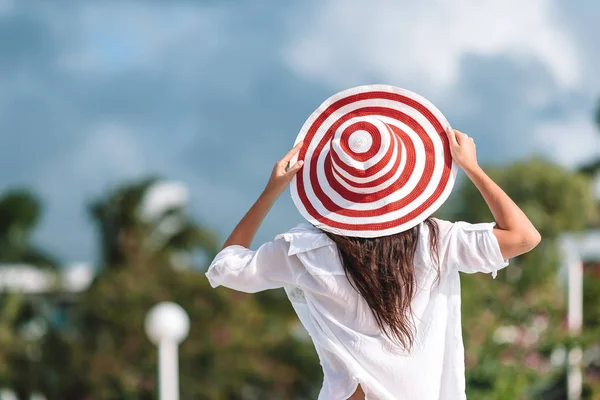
(462, 148)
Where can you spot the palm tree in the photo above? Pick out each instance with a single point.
(143, 228)
(20, 212)
(148, 217)
(151, 250)
(23, 317)
(148, 242)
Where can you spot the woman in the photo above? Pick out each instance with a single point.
(383, 310)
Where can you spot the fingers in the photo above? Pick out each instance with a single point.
(461, 137)
(467, 137)
(457, 137)
(452, 136)
(291, 153)
(295, 168)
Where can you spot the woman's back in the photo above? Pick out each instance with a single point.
(380, 301)
(347, 338)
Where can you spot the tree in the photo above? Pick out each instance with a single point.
(122, 224)
(235, 348)
(24, 318)
(593, 167)
(512, 324)
(20, 211)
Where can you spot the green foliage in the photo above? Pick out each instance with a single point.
(9, 340)
(523, 298)
(554, 199)
(592, 167)
(20, 212)
(591, 310)
(22, 318)
(123, 230)
(238, 343)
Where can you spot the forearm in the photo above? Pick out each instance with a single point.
(246, 229)
(515, 233)
(507, 214)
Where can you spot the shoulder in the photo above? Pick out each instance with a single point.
(304, 237)
(443, 226)
(462, 228)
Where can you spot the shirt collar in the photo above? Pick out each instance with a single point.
(304, 237)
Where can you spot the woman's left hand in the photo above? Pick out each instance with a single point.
(280, 177)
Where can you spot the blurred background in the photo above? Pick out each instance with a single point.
(135, 134)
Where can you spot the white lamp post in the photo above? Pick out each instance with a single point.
(167, 324)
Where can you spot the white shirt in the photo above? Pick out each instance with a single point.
(350, 345)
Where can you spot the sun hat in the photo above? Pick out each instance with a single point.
(377, 161)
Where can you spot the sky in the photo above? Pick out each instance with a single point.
(212, 93)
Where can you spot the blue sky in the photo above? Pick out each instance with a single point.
(212, 93)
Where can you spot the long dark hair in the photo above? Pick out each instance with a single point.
(381, 269)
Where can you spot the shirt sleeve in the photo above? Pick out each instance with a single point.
(251, 271)
(472, 248)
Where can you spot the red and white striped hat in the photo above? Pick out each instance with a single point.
(376, 162)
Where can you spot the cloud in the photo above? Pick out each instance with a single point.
(100, 157)
(507, 72)
(111, 40)
(210, 94)
(580, 17)
(422, 43)
(569, 142)
(201, 98)
(499, 101)
(110, 149)
(6, 6)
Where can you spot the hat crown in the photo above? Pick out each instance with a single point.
(376, 162)
(362, 150)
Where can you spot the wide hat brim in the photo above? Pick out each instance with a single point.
(376, 162)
